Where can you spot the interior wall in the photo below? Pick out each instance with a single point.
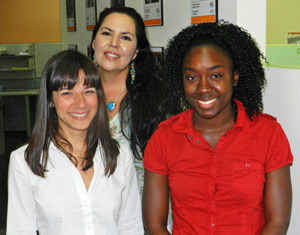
(282, 17)
(251, 15)
(29, 21)
(281, 99)
(81, 37)
(176, 17)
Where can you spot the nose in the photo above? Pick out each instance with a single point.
(79, 101)
(114, 41)
(204, 85)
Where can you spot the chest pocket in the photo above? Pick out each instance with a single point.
(248, 176)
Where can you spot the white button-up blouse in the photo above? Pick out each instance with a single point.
(60, 204)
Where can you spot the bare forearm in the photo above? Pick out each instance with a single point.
(278, 201)
(274, 228)
(156, 231)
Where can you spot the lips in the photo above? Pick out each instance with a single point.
(111, 55)
(206, 104)
(79, 115)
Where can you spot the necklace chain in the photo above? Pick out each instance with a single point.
(117, 97)
(112, 104)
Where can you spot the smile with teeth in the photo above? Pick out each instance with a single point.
(206, 102)
(79, 115)
(112, 55)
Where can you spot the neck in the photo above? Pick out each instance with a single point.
(114, 78)
(78, 142)
(222, 122)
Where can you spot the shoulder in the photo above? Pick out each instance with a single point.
(125, 154)
(19, 153)
(17, 158)
(267, 125)
(268, 117)
(265, 119)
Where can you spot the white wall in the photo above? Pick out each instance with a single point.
(82, 37)
(251, 15)
(176, 17)
(281, 98)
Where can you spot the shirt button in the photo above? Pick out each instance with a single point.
(215, 155)
(212, 201)
(197, 141)
(212, 225)
(248, 164)
(191, 137)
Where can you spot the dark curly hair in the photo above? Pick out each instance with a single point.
(240, 47)
(143, 105)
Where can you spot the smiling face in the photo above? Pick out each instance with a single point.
(208, 82)
(115, 44)
(75, 107)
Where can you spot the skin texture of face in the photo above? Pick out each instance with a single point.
(208, 83)
(75, 107)
(115, 44)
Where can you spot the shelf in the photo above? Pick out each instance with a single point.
(19, 92)
(13, 56)
(25, 61)
(16, 69)
(15, 64)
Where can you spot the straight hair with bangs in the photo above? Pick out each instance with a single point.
(60, 71)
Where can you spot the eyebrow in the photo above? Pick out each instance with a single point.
(121, 32)
(211, 68)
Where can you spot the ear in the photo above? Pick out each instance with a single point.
(135, 54)
(93, 45)
(235, 78)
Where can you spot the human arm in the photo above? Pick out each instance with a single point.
(21, 216)
(277, 201)
(155, 203)
(130, 218)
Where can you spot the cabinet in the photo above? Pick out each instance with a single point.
(21, 67)
(25, 61)
(17, 61)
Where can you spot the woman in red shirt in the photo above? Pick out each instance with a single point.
(224, 162)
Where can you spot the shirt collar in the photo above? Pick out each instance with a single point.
(184, 122)
(242, 120)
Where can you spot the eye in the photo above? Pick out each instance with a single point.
(126, 38)
(90, 91)
(216, 76)
(105, 33)
(65, 93)
(190, 78)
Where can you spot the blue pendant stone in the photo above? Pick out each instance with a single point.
(111, 106)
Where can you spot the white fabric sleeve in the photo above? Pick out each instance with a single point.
(130, 218)
(21, 216)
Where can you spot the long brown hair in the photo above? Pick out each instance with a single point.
(62, 70)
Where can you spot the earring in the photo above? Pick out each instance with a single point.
(51, 105)
(94, 60)
(132, 72)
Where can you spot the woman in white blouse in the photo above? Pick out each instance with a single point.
(72, 177)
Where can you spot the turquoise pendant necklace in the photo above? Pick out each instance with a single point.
(112, 104)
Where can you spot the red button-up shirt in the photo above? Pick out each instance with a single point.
(218, 191)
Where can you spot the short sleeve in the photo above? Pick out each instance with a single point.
(279, 152)
(155, 157)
